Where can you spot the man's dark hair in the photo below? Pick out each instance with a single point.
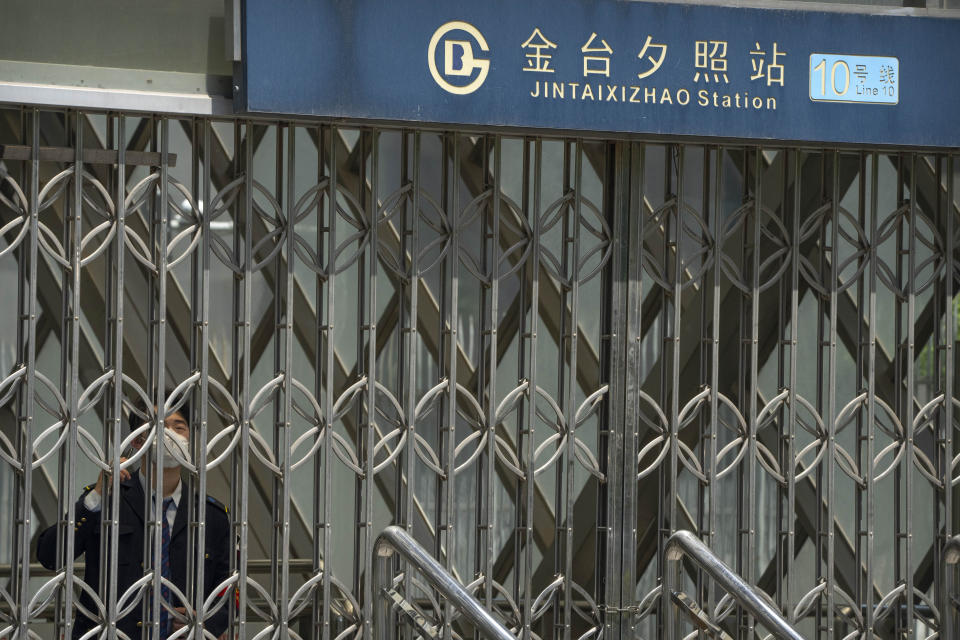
(139, 413)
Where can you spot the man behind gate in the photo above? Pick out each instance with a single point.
(133, 524)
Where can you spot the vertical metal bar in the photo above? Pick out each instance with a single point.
(323, 472)
(362, 484)
(201, 429)
(897, 356)
(871, 397)
(411, 354)
(373, 211)
(491, 411)
(831, 460)
(330, 369)
(528, 441)
(898, 390)
(146, 609)
(754, 376)
(191, 482)
(948, 612)
(862, 581)
(243, 470)
(569, 457)
(559, 514)
(713, 465)
(483, 371)
(197, 512)
(617, 284)
(674, 630)
(279, 393)
(159, 373)
(236, 337)
(792, 388)
(289, 215)
(675, 298)
(940, 305)
(449, 433)
(107, 430)
(703, 370)
(111, 527)
(402, 321)
(675, 309)
(743, 385)
(27, 402)
(70, 366)
(524, 342)
(664, 471)
(445, 429)
(782, 353)
(633, 337)
(64, 615)
(908, 406)
(610, 367)
(22, 260)
(819, 549)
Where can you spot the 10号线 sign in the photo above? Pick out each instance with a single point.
(873, 79)
(608, 66)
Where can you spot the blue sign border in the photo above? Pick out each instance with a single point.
(872, 80)
(366, 60)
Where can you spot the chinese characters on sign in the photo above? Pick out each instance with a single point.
(661, 53)
(710, 58)
(771, 71)
(539, 60)
(597, 64)
(714, 63)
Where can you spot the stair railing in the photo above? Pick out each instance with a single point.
(684, 543)
(396, 540)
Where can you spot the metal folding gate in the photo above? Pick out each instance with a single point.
(539, 355)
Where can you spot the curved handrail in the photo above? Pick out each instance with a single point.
(685, 543)
(394, 539)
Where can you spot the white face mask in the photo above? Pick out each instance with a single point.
(173, 442)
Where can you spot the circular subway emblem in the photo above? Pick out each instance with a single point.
(453, 57)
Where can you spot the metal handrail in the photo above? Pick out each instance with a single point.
(684, 543)
(394, 539)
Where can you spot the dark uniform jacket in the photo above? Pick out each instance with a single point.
(130, 554)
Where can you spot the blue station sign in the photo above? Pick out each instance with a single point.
(609, 66)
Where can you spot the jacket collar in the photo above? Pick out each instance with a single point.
(134, 496)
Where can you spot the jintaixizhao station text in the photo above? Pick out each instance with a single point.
(715, 63)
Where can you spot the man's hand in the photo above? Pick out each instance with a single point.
(105, 479)
(177, 625)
